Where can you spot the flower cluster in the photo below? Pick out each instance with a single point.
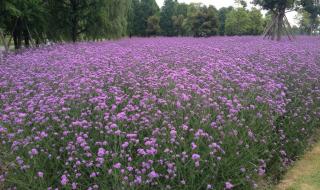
(166, 113)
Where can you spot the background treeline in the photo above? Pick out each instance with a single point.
(32, 22)
(180, 19)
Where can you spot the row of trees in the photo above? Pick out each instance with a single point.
(37, 21)
(32, 22)
(180, 19)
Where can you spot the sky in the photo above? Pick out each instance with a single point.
(225, 3)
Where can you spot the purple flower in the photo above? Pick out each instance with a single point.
(125, 145)
(153, 175)
(93, 174)
(193, 146)
(64, 180)
(195, 157)
(117, 165)
(101, 152)
(229, 185)
(33, 152)
(40, 174)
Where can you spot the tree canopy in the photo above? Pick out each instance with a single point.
(279, 23)
(32, 22)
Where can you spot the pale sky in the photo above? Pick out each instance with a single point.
(225, 3)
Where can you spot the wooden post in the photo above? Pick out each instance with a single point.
(279, 25)
(32, 45)
(285, 28)
(267, 30)
(289, 26)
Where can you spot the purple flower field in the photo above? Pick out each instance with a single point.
(157, 113)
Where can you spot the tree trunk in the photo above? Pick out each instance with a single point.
(26, 39)
(3, 39)
(280, 24)
(17, 35)
(17, 39)
(274, 28)
(74, 32)
(74, 20)
(277, 26)
(38, 41)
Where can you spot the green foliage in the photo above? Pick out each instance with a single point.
(139, 12)
(256, 22)
(242, 22)
(182, 9)
(153, 27)
(178, 26)
(275, 4)
(22, 20)
(222, 18)
(312, 11)
(204, 22)
(64, 20)
(167, 12)
(88, 19)
(237, 22)
(39, 21)
(307, 25)
(241, 3)
(180, 18)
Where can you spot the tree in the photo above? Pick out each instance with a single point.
(188, 22)
(114, 14)
(22, 20)
(179, 19)
(153, 27)
(131, 17)
(296, 30)
(148, 8)
(256, 22)
(279, 21)
(69, 18)
(90, 19)
(237, 22)
(307, 25)
(178, 24)
(182, 9)
(223, 12)
(241, 3)
(312, 10)
(167, 12)
(135, 20)
(204, 22)
(139, 12)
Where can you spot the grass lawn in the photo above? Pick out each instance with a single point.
(305, 174)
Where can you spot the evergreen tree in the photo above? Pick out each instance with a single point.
(167, 12)
(204, 22)
(223, 12)
(140, 12)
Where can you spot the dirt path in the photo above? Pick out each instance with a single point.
(305, 174)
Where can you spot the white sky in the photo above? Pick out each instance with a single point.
(225, 3)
